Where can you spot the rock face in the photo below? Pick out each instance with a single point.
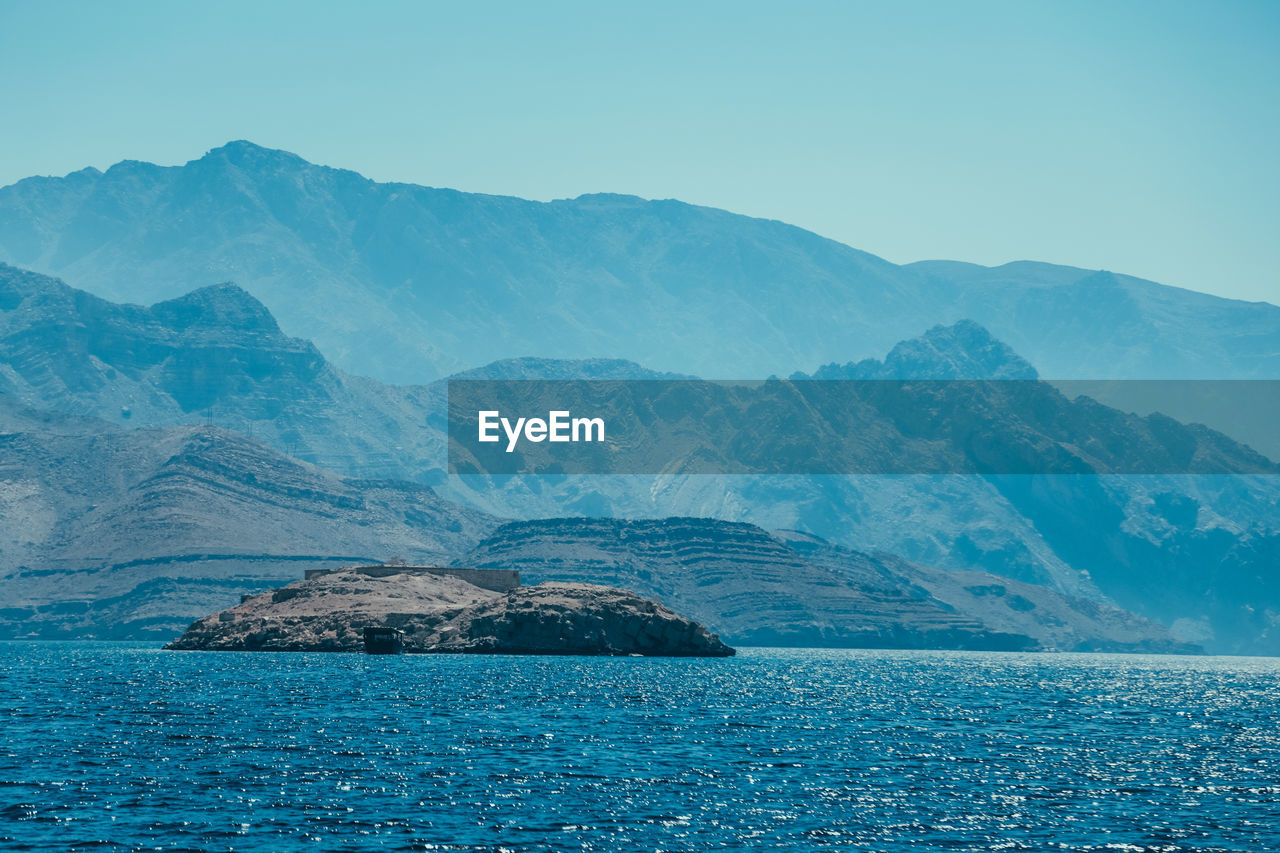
(130, 534)
(447, 615)
(793, 589)
(964, 350)
(570, 619)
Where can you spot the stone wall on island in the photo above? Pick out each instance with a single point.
(497, 580)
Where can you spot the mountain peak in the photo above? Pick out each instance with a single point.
(564, 368)
(609, 199)
(218, 305)
(126, 169)
(963, 350)
(246, 154)
(420, 282)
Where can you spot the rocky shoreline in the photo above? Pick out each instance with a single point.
(446, 615)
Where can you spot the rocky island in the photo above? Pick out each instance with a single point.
(450, 611)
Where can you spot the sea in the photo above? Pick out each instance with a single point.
(125, 746)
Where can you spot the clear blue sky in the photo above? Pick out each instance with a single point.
(1140, 137)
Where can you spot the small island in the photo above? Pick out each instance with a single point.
(445, 610)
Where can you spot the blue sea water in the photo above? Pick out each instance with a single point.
(127, 747)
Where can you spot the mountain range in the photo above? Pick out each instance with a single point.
(408, 283)
(794, 589)
(1188, 551)
(134, 533)
(128, 533)
(172, 440)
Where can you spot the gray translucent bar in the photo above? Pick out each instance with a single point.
(508, 427)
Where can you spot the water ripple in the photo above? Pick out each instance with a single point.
(125, 747)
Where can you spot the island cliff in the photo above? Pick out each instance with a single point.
(440, 613)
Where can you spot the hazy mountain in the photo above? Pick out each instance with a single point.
(1075, 323)
(408, 283)
(127, 533)
(217, 355)
(964, 350)
(214, 355)
(1197, 551)
(794, 589)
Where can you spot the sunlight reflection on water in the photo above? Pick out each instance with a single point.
(123, 746)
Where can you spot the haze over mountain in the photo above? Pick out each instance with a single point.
(135, 532)
(214, 355)
(408, 283)
(1195, 551)
(793, 589)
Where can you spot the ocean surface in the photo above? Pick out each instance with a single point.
(107, 746)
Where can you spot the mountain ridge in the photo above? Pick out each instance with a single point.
(131, 533)
(421, 282)
(1144, 528)
(128, 533)
(758, 588)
